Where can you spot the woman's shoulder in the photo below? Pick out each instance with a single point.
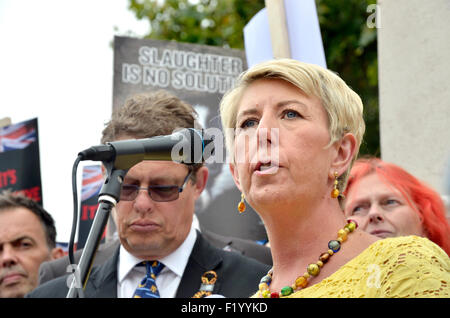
(405, 243)
(408, 266)
(405, 249)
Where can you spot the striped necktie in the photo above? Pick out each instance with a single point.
(147, 288)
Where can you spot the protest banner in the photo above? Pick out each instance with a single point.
(20, 170)
(91, 184)
(199, 75)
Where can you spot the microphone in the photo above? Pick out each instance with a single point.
(186, 146)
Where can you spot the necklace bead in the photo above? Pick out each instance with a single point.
(324, 257)
(343, 235)
(313, 269)
(301, 282)
(265, 293)
(266, 279)
(334, 245)
(286, 291)
(351, 226)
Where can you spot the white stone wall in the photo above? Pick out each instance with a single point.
(414, 87)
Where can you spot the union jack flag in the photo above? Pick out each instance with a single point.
(17, 136)
(65, 247)
(92, 181)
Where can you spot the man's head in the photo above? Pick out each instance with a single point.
(147, 227)
(27, 238)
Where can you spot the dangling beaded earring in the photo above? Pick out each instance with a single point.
(335, 191)
(241, 206)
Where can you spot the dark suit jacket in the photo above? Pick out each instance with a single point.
(237, 276)
(245, 247)
(52, 269)
(55, 268)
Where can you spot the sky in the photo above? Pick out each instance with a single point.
(56, 64)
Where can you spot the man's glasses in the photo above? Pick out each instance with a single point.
(158, 193)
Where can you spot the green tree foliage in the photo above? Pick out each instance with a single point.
(350, 44)
(351, 51)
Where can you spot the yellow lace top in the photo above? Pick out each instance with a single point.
(409, 266)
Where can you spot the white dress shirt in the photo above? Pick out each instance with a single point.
(129, 276)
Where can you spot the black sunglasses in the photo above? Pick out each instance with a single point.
(158, 193)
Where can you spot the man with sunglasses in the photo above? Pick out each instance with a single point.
(154, 220)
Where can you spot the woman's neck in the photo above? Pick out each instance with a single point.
(298, 236)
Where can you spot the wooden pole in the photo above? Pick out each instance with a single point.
(5, 122)
(278, 28)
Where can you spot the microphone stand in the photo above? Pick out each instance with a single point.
(108, 198)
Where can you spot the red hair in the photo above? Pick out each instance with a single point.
(426, 202)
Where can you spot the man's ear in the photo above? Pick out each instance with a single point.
(56, 252)
(235, 175)
(201, 180)
(345, 151)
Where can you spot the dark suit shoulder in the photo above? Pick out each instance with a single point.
(237, 276)
(231, 258)
(58, 267)
(241, 274)
(55, 288)
(102, 282)
(245, 247)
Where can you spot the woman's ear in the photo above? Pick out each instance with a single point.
(235, 175)
(345, 151)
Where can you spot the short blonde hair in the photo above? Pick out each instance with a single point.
(343, 106)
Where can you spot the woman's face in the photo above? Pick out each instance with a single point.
(280, 141)
(380, 209)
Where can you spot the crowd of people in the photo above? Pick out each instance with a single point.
(331, 219)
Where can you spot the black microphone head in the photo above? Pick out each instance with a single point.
(98, 153)
(185, 146)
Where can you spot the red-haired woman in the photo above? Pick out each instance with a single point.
(387, 201)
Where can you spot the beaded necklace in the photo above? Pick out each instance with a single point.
(313, 269)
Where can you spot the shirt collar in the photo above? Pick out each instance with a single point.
(176, 261)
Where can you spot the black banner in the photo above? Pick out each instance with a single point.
(199, 75)
(20, 169)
